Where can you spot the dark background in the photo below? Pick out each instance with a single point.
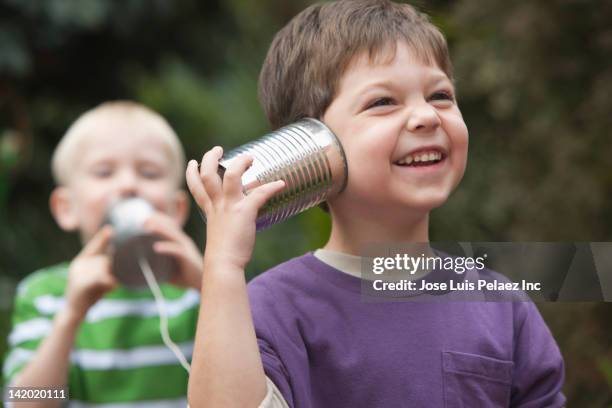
(534, 82)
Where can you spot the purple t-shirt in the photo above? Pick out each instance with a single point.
(323, 346)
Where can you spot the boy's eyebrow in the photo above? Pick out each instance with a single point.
(441, 78)
(375, 85)
(432, 79)
(368, 87)
(96, 157)
(155, 161)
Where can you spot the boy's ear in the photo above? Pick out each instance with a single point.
(62, 209)
(182, 207)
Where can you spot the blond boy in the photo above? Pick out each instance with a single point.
(379, 75)
(74, 324)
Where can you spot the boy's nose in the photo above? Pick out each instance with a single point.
(127, 184)
(422, 118)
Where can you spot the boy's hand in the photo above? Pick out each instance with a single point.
(178, 245)
(230, 214)
(90, 275)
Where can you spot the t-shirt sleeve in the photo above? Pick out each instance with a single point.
(281, 347)
(29, 328)
(539, 371)
(273, 366)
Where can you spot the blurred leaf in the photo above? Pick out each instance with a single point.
(14, 57)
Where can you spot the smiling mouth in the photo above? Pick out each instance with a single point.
(421, 159)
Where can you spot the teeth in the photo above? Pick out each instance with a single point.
(420, 157)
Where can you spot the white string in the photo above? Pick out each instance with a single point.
(161, 307)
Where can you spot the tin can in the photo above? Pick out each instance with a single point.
(132, 242)
(306, 155)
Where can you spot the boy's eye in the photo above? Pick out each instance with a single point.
(102, 171)
(442, 96)
(380, 102)
(151, 172)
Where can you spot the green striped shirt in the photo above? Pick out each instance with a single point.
(119, 359)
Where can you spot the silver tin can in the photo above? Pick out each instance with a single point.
(131, 242)
(306, 155)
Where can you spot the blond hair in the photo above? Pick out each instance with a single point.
(65, 152)
(307, 58)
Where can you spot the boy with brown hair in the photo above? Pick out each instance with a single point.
(378, 75)
(74, 325)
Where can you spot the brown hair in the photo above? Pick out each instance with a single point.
(307, 57)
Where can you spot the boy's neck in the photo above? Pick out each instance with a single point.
(349, 233)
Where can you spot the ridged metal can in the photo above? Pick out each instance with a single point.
(131, 241)
(306, 155)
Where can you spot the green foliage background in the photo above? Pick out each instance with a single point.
(534, 81)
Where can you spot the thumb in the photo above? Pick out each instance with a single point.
(262, 194)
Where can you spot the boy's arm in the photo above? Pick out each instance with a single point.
(50, 364)
(226, 368)
(89, 278)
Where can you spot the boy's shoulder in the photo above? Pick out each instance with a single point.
(285, 273)
(288, 282)
(50, 280)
